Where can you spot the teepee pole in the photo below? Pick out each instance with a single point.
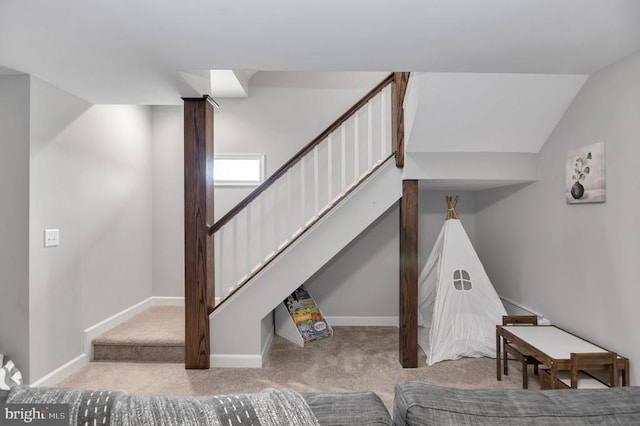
(451, 207)
(409, 274)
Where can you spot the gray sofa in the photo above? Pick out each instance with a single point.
(423, 404)
(415, 404)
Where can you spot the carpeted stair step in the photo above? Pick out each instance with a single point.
(154, 335)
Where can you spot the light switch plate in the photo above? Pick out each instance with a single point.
(51, 237)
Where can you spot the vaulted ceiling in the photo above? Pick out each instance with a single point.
(132, 51)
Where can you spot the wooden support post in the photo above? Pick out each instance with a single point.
(399, 89)
(409, 274)
(199, 292)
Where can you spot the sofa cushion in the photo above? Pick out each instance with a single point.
(333, 409)
(424, 404)
(269, 407)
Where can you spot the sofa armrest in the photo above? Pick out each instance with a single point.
(424, 404)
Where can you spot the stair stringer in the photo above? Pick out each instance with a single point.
(236, 329)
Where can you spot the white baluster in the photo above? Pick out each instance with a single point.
(343, 155)
(383, 123)
(356, 147)
(263, 229)
(234, 251)
(275, 217)
(316, 183)
(289, 229)
(248, 230)
(219, 255)
(330, 169)
(389, 120)
(303, 193)
(369, 135)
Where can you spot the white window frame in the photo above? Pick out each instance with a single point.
(218, 181)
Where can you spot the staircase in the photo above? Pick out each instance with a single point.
(154, 335)
(286, 229)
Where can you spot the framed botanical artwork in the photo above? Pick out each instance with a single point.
(585, 174)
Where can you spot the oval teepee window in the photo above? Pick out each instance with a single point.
(461, 280)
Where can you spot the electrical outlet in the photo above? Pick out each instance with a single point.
(51, 237)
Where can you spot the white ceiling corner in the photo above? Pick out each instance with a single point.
(488, 112)
(229, 84)
(199, 80)
(249, 73)
(219, 83)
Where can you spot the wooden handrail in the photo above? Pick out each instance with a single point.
(282, 170)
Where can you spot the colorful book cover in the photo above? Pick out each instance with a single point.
(306, 330)
(301, 293)
(306, 316)
(301, 315)
(321, 329)
(314, 314)
(308, 303)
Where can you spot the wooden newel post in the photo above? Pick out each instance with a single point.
(409, 274)
(398, 92)
(408, 310)
(199, 292)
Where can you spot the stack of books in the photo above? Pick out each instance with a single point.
(306, 316)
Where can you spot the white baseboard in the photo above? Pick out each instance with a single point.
(242, 361)
(62, 372)
(236, 361)
(363, 321)
(95, 330)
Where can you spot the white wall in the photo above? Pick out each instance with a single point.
(90, 177)
(360, 285)
(284, 111)
(168, 200)
(576, 264)
(14, 218)
(361, 282)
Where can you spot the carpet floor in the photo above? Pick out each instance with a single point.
(354, 359)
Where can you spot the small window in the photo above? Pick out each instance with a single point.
(238, 169)
(461, 280)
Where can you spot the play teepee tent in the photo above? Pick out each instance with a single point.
(458, 308)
